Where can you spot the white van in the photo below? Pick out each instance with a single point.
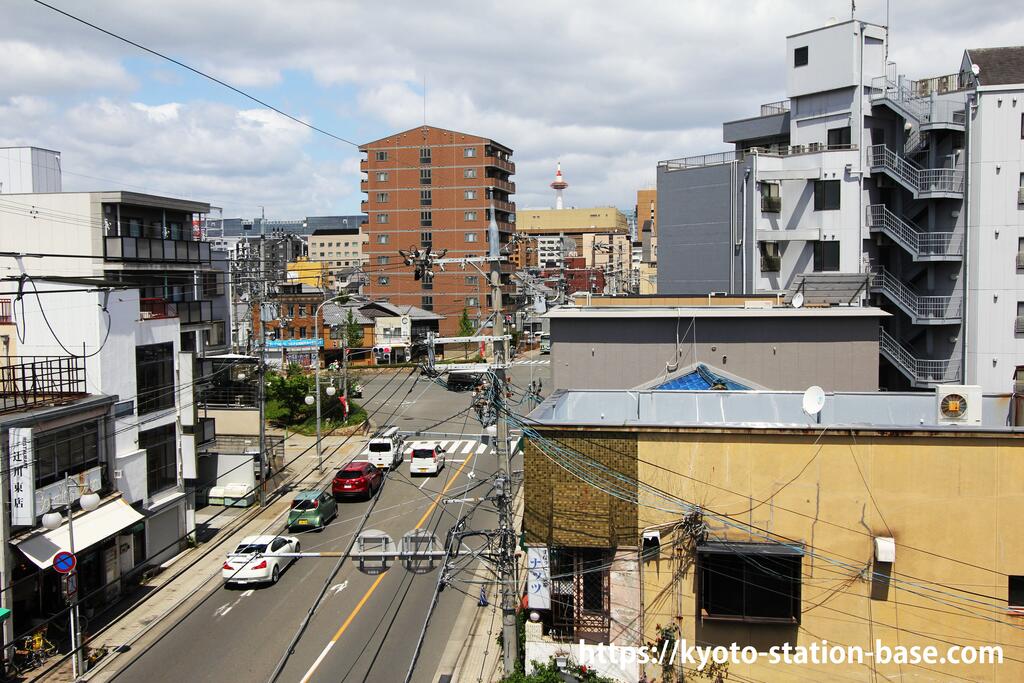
(385, 448)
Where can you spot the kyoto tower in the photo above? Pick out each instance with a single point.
(558, 186)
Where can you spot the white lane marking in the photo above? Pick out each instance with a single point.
(312, 669)
(338, 587)
(248, 593)
(420, 487)
(445, 444)
(481, 448)
(468, 448)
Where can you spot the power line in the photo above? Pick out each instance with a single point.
(197, 72)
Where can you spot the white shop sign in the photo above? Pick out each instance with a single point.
(23, 476)
(538, 580)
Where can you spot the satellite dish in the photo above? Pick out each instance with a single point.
(798, 300)
(814, 400)
(975, 69)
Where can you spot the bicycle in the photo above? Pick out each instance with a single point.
(35, 650)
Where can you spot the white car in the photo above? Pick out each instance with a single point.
(253, 562)
(426, 458)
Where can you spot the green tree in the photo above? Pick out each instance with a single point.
(286, 396)
(353, 331)
(466, 329)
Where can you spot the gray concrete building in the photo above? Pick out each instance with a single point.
(915, 184)
(29, 169)
(758, 345)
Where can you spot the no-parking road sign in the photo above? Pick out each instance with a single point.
(65, 562)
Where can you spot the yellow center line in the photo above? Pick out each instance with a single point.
(366, 596)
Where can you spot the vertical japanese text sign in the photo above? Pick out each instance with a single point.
(23, 479)
(538, 581)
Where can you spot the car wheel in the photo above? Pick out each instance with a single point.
(275, 577)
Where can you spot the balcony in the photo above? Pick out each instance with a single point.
(364, 185)
(506, 166)
(153, 249)
(1020, 196)
(1020, 260)
(503, 185)
(364, 206)
(157, 309)
(364, 165)
(507, 207)
(28, 381)
(194, 311)
(6, 318)
(770, 204)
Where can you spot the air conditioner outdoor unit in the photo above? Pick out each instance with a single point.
(958, 404)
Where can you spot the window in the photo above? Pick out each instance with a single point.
(472, 236)
(472, 280)
(771, 262)
(427, 280)
(382, 197)
(826, 195)
(154, 377)
(1022, 126)
(161, 458)
(426, 219)
(581, 606)
(749, 582)
(302, 332)
(383, 238)
(425, 178)
(1015, 593)
(469, 173)
(382, 260)
(425, 155)
(382, 218)
(826, 257)
(470, 215)
(426, 237)
(382, 156)
(469, 152)
(72, 449)
(382, 176)
(771, 202)
(291, 310)
(302, 310)
(800, 56)
(427, 303)
(839, 137)
(382, 280)
(469, 194)
(472, 301)
(426, 198)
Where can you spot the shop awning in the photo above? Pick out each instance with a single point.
(90, 529)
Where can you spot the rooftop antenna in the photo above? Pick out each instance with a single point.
(814, 401)
(798, 300)
(853, 8)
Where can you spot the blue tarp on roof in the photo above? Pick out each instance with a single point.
(701, 379)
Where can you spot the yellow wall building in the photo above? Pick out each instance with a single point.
(312, 273)
(599, 219)
(749, 523)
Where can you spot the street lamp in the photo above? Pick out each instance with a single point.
(89, 500)
(316, 355)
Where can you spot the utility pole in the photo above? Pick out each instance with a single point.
(509, 601)
(262, 389)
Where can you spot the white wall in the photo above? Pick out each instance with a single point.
(833, 58)
(995, 223)
(29, 169)
(52, 224)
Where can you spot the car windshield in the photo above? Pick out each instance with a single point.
(305, 504)
(380, 447)
(350, 474)
(423, 453)
(251, 549)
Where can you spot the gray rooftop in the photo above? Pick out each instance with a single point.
(998, 65)
(759, 410)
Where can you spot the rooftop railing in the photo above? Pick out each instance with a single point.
(29, 381)
(731, 156)
(775, 108)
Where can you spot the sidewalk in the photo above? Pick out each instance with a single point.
(184, 578)
(472, 654)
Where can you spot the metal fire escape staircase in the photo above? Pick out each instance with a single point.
(923, 310)
(922, 373)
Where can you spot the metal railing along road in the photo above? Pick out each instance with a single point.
(26, 381)
(919, 307)
(918, 180)
(916, 242)
(919, 370)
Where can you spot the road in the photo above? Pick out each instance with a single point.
(367, 626)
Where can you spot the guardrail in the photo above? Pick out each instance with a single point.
(918, 180)
(918, 307)
(917, 243)
(27, 381)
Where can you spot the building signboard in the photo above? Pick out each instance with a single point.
(538, 580)
(23, 476)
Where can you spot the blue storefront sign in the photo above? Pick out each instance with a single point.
(294, 343)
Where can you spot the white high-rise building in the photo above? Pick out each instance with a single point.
(913, 184)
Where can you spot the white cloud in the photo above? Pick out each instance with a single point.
(606, 88)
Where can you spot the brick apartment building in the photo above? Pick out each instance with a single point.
(434, 189)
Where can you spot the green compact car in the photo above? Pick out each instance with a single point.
(311, 510)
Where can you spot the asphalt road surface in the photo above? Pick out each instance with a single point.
(367, 626)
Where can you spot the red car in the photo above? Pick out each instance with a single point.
(357, 479)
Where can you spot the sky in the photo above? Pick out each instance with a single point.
(606, 88)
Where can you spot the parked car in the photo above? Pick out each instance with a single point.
(252, 560)
(427, 458)
(311, 510)
(357, 479)
(385, 448)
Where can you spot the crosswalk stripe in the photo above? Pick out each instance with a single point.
(481, 448)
